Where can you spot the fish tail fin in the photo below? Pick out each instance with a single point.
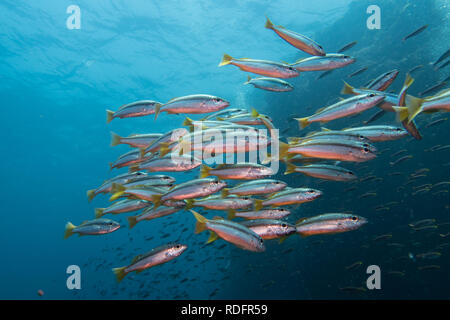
(117, 190)
(302, 122)
(116, 195)
(132, 220)
(401, 113)
(184, 145)
(408, 81)
(90, 194)
(142, 152)
(269, 24)
(115, 139)
(255, 114)
(258, 204)
(69, 230)
(99, 212)
(189, 204)
(290, 168)
(201, 221)
(187, 122)
(120, 273)
(109, 116)
(204, 171)
(248, 80)
(347, 89)
(156, 199)
(284, 147)
(231, 214)
(164, 149)
(157, 110)
(267, 160)
(116, 187)
(212, 237)
(414, 107)
(226, 59)
(225, 192)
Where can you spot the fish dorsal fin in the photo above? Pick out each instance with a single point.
(171, 100)
(272, 195)
(299, 60)
(320, 110)
(293, 140)
(441, 92)
(217, 218)
(136, 259)
(310, 133)
(300, 220)
(325, 129)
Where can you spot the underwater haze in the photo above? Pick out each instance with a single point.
(56, 84)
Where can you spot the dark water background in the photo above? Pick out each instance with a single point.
(56, 83)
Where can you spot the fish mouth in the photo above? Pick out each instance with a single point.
(317, 195)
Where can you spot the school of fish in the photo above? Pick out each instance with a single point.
(254, 203)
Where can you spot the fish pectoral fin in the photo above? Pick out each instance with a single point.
(282, 239)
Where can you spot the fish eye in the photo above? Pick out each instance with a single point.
(310, 191)
(350, 172)
(245, 198)
(362, 137)
(178, 246)
(261, 240)
(371, 95)
(284, 225)
(354, 218)
(366, 150)
(346, 57)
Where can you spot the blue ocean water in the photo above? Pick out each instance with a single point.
(56, 84)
